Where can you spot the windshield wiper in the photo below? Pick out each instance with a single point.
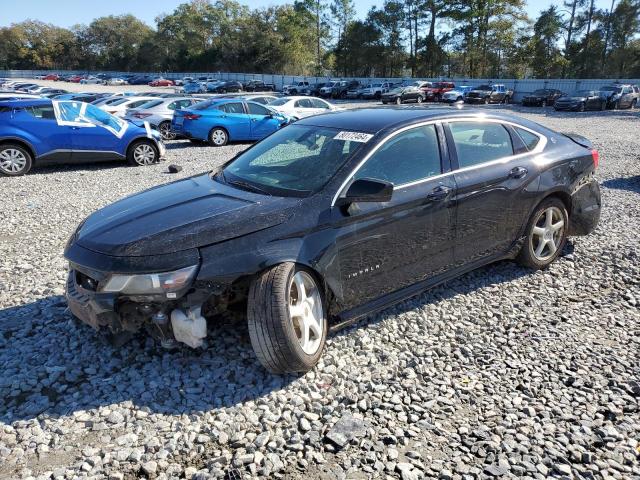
(246, 186)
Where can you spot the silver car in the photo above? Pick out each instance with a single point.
(159, 112)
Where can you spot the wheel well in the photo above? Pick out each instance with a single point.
(142, 139)
(23, 144)
(563, 197)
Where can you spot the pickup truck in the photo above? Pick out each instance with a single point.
(436, 90)
(295, 88)
(375, 90)
(496, 93)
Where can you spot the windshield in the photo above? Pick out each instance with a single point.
(539, 92)
(484, 87)
(611, 89)
(397, 90)
(581, 93)
(295, 161)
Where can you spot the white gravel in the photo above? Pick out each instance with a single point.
(503, 372)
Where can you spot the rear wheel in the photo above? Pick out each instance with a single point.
(634, 103)
(486, 101)
(581, 107)
(398, 101)
(546, 235)
(420, 99)
(143, 152)
(218, 137)
(165, 131)
(287, 319)
(603, 106)
(14, 160)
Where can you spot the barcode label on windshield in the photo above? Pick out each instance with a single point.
(353, 136)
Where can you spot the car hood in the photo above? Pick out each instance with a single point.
(182, 215)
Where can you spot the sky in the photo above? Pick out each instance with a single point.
(66, 13)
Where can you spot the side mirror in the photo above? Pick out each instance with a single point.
(367, 190)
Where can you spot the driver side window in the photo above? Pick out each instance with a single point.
(407, 157)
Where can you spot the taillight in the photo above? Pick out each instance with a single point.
(596, 157)
(191, 116)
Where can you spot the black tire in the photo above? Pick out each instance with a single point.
(271, 328)
(398, 101)
(634, 102)
(615, 105)
(419, 99)
(581, 107)
(527, 255)
(165, 130)
(603, 106)
(135, 155)
(15, 160)
(377, 95)
(544, 104)
(486, 101)
(218, 137)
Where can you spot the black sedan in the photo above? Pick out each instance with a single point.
(542, 97)
(400, 95)
(328, 220)
(580, 101)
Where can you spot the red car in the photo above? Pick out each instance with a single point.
(437, 89)
(52, 76)
(161, 82)
(76, 78)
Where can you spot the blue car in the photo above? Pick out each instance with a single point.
(220, 121)
(42, 131)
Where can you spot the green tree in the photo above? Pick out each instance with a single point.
(547, 58)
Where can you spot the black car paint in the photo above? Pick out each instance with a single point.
(542, 97)
(367, 255)
(591, 101)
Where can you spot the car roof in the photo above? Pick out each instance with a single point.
(377, 119)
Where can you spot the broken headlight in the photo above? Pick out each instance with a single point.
(150, 283)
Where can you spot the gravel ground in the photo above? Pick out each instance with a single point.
(501, 373)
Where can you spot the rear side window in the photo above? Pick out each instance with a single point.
(255, 109)
(409, 156)
(232, 108)
(41, 111)
(317, 103)
(304, 103)
(478, 142)
(529, 139)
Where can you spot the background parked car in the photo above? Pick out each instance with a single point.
(140, 80)
(581, 100)
(220, 121)
(258, 86)
(295, 88)
(224, 87)
(401, 95)
(326, 90)
(161, 82)
(620, 96)
(542, 97)
(496, 93)
(38, 131)
(340, 89)
(300, 107)
(119, 107)
(182, 81)
(51, 76)
(375, 90)
(194, 87)
(457, 94)
(313, 90)
(92, 81)
(116, 81)
(159, 112)
(434, 91)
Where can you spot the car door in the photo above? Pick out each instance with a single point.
(493, 171)
(263, 123)
(319, 106)
(626, 97)
(235, 120)
(392, 245)
(95, 134)
(304, 108)
(55, 140)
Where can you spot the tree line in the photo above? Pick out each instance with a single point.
(424, 38)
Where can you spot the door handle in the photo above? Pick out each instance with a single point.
(439, 193)
(518, 172)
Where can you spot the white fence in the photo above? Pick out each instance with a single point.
(520, 87)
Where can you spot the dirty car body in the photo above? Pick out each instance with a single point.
(181, 253)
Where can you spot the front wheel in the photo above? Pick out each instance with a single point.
(218, 137)
(486, 101)
(546, 235)
(420, 99)
(287, 319)
(142, 153)
(581, 107)
(14, 160)
(398, 101)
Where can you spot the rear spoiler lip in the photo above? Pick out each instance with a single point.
(580, 140)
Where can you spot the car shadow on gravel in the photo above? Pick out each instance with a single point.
(624, 183)
(181, 144)
(55, 366)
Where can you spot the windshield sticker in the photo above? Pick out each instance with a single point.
(353, 136)
(79, 114)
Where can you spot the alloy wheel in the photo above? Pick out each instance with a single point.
(547, 233)
(165, 131)
(398, 101)
(144, 154)
(12, 161)
(420, 99)
(306, 312)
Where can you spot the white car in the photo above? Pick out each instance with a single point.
(295, 88)
(299, 107)
(159, 112)
(116, 81)
(119, 107)
(182, 81)
(92, 81)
